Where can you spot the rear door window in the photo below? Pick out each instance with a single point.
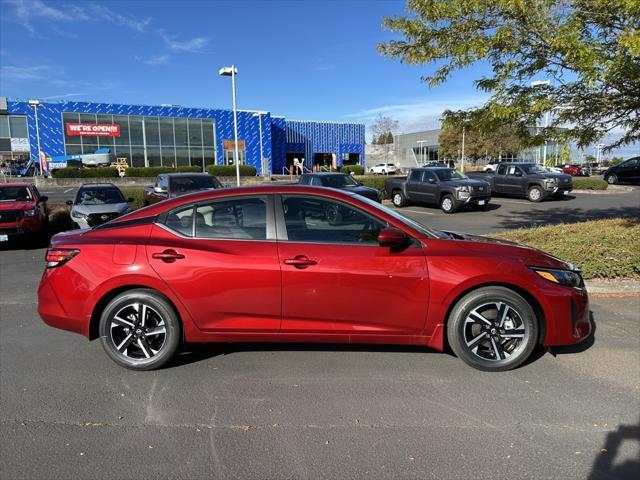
(234, 219)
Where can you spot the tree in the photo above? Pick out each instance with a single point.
(565, 155)
(382, 130)
(589, 49)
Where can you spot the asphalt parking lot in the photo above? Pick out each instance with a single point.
(300, 411)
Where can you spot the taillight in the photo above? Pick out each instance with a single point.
(59, 256)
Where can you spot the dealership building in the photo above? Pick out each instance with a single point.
(172, 135)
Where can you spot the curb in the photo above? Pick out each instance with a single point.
(615, 288)
(608, 191)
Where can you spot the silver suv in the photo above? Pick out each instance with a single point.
(97, 203)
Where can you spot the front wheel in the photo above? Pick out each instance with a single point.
(493, 329)
(448, 204)
(535, 194)
(140, 330)
(398, 199)
(612, 179)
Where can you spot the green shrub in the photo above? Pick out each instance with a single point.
(154, 171)
(587, 183)
(137, 193)
(230, 170)
(98, 172)
(356, 169)
(373, 181)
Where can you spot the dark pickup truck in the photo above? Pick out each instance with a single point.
(169, 185)
(527, 179)
(439, 186)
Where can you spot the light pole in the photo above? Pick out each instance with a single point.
(35, 104)
(540, 83)
(262, 165)
(232, 71)
(462, 156)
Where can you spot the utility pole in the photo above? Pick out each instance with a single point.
(462, 159)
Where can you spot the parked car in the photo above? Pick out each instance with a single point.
(627, 171)
(97, 203)
(491, 167)
(169, 185)
(434, 163)
(527, 179)
(555, 169)
(343, 181)
(383, 169)
(23, 212)
(575, 170)
(445, 187)
(257, 264)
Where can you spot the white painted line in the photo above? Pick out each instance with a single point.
(68, 190)
(413, 211)
(500, 200)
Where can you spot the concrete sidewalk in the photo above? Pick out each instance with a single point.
(623, 287)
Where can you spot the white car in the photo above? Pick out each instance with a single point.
(491, 167)
(383, 169)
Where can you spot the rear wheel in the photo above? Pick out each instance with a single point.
(493, 329)
(535, 194)
(448, 204)
(139, 330)
(398, 199)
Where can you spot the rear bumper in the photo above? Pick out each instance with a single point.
(53, 313)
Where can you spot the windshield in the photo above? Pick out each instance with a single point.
(407, 221)
(530, 168)
(190, 184)
(338, 181)
(450, 174)
(99, 196)
(15, 193)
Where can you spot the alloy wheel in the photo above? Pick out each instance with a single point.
(447, 204)
(397, 200)
(535, 194)
(495, 331)
(138, 331)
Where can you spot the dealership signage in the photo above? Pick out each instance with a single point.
(93, 129)
(19, 144)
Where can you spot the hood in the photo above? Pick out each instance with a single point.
(529, 255)
(469, 182)
(16, 205)
(103, 208)
(362, 190)
(561, 177)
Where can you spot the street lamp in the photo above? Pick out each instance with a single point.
(262, 165)
(35, 104)
(232, 71)
(540, 83)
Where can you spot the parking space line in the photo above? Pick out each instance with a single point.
(67, 190)
(413, 211)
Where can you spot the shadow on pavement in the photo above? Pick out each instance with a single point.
(563, 215)
(604, 466)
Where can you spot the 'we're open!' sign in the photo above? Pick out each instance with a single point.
(93, 129)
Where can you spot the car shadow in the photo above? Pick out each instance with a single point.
(196, 352)
(603, 465)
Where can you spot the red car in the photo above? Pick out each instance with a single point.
(23, 211)
(276, 264)
(574, 171)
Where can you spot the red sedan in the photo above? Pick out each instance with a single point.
(304, 264)
(574, 171)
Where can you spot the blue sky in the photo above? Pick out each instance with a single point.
(302, 59)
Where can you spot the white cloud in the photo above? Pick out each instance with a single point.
(155, 59)
(193, 45)
(13, 72)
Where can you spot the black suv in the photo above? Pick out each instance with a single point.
(627, 171)
(342, 181)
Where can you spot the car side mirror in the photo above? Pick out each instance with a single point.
(518, 173)
(69, 202)
(130, 200)
(432, 180)
(44, 198)
(159, 190)
(392, 237)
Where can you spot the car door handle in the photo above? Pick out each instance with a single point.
(300, 261)
(168, 256)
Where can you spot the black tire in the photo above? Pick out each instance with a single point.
(333, 214)
(398, 199)
(504, 343)
(448, 204)
(128, 332)
(535, 194)
(612, 179)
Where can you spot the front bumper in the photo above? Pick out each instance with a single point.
(568, 320)
(24, 226)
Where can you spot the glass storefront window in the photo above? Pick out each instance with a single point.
(168, 156)
(181, 132)
(152, 131)
(195, 132)
(18, 126)
(88, 140)
(123, 121)
(195, 156)
(4, 127)
(74, 149)
(135, 130)
(166, 132)
(153, 156)
(208, 133)
(229, 157)
(89, 148)
(70, 118)
(209, 156)
(182, 156)
(137, 156)
(123, 151)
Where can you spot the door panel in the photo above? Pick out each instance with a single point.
(346, 282)
(416, 187)
(226, 285)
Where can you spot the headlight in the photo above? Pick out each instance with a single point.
(562, 277)
(463, 192)
(551, 181)
(464, 188)
(76, 214)
(29, 213)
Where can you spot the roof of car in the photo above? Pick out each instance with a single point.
(324, 174)
(187, 174)
(98, 185)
